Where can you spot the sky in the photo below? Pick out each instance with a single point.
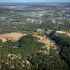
(34, 0)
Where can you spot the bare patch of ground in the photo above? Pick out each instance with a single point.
(45, 40)
(14, 36)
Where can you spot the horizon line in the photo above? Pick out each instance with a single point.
(34, 2)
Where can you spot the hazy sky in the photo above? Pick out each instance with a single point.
(34, 0)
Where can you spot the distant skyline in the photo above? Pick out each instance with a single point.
(34, 1)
